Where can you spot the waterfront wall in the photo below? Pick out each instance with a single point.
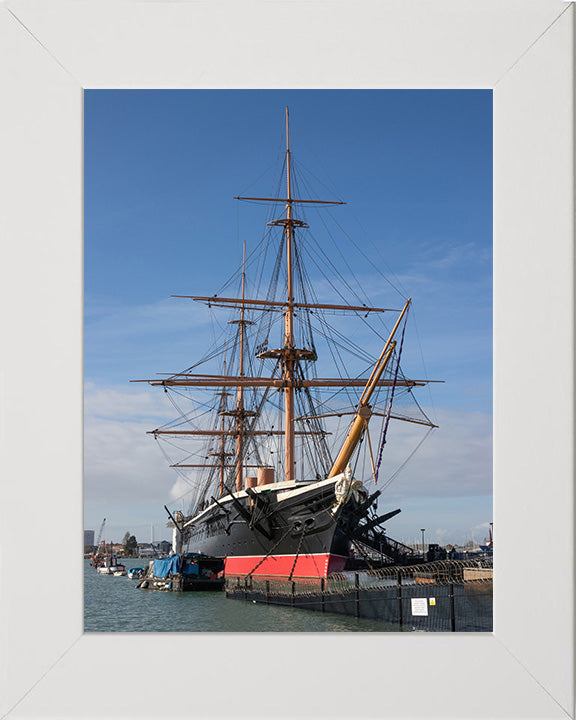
(436, 597)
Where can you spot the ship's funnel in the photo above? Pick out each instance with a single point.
(265, 476)
(250, 482)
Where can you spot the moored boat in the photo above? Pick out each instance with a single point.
(184, 572)
(109, 565)
(136, 573)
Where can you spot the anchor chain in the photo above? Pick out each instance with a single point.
(269, 552)
(297, 553)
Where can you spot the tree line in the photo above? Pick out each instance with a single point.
(130, 544)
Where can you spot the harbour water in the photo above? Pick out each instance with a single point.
(113, 604)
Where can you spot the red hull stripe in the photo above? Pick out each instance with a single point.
(315, 566)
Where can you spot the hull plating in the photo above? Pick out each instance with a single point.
(275, 533)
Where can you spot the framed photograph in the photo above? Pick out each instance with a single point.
(54, 50)
(387, 252)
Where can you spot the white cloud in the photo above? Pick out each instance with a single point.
(125, 403)
(123, 462)
(455, 461)
(181, 489)
(482, 526)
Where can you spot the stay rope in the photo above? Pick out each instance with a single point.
(389, 410)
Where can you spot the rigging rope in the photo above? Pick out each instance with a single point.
(399, 469)
(389, 409)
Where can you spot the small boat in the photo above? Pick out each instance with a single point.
(184, 572)
(119, 573)
(489, 548)
(136, 572)
(109, 565)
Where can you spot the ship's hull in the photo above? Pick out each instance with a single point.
(284, 530)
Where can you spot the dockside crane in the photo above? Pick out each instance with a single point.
(99, 537)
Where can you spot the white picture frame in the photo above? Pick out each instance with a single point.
(53, 49)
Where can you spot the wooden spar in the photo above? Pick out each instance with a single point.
(392, 417)
(185, 465)
(289, 359)
(233, 433)
(224, 302)
(202, 381)
(364, 412)
(292, 200)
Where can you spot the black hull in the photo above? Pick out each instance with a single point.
(300, 531)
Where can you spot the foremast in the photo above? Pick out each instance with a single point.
(240, 413)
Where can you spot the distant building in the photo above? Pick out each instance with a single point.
(146, 550)
(88, 538)
(154, 549)
(164, 546)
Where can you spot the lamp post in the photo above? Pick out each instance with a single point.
(423, 548)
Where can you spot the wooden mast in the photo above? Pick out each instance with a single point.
(289, 355)
(240, 382)
(240, 396)
(221, 454)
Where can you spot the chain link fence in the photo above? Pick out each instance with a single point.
(442, 596)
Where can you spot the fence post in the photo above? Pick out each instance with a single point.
(322, 589)
(400, 599)
(267, 592)
(452, 612)
(293, 592)
(245, 588)
(357, 584)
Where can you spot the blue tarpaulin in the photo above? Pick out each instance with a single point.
(190, 569)
(168, 566)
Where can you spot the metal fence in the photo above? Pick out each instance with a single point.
(443, 596)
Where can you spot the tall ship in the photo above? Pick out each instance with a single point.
(282, 424)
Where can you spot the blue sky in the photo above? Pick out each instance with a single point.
(161, 171)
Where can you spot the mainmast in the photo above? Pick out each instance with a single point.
(289, 355)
